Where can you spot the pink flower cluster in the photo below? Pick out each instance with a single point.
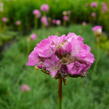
(44, 8)
(97, 29)
(62, 56)
(37, 13)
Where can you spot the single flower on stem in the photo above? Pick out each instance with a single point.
(33, 36)
(44, 8)
(18, 23)
(98, 32)
(58, 22)
(19, 26)
(94, 4)
(84, 23)
(65, 19)
(62, 57)
(93, 14)
(37, 15)
(44, 21)
(4, 19)
(25, 88)
(104, 7)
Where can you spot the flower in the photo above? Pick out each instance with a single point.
(44, 7)
(97, 30)
(84, 23)
(94, 4)
(58, 22)
(4, 19)
(1, 7)
(44, 20)
(62, 56)
(18, 22)
(33, 36)
(104, 7)
(54, 21)
(93, 14)
(25, 88)
(66, 18)
(37, 13)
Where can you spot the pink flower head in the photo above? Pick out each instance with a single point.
(93, 14)
(37, 13)
(58, 22)
(94, 4)
(33, 36)
(44, 20)
(44, 7)
(104, 7)
(54, 21)
(4, 19)
(97, 30)
(25, 88)
(66, 18)
(18, 23)
(62, 56)
(84, 23)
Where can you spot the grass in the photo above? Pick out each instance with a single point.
(91, 92)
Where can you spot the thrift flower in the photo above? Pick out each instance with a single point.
(44, 7)
(44, 20)
(104, 7)
(84, 23)
(54, 21)
(37, 13)
(94, 4)
(33, 36)
(18, 23)
(97, 30)
(4, 19)
(66, 18)
(93, 14)
(62, 56)
(25, 88)
(58, 22)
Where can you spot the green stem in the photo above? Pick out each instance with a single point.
(35, 21)
(60, 93)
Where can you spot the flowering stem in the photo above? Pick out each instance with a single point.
(60, 93)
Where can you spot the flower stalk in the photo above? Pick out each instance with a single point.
(60, 93)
